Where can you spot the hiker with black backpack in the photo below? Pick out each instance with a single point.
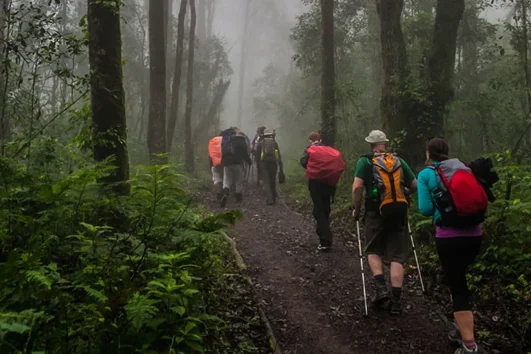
(235, 154)
(324, 166)
(450, 193)
(384, 176)
(269, 166)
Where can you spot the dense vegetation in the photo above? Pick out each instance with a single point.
(95, 258)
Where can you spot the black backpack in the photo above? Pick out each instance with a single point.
(269, 149)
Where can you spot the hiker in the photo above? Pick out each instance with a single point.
(324, 166)
(259, 135)
(269, 165)
(458, 239)
(235, 155)
(385, 220)
(214, 156)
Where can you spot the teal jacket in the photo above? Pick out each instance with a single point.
(427, 183)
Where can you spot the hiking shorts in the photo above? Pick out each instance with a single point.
(387, 241)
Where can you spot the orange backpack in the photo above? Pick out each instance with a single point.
(389, 182)
(214, 150)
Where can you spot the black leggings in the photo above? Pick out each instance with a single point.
(456, 255)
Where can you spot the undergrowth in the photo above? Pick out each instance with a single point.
(156, 281)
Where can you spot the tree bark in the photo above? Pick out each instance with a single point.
(174, 109)
(243, 61)
(5, 128)
(107, 91)
(188, 144)
(201, 21)
(441, 62)
(394, 59)
(157, 61)
(210, 17)
(328, 121)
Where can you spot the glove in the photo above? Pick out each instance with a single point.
(281, 177)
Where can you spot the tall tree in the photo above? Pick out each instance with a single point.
(243, 59)
(5, 129)
(394, 59)
(157, 65)
(188, 144)
(107, 91)
(441, 63)
(201, 21)
(174, 108)
(328, 120)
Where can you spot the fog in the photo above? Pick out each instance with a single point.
(269, 43)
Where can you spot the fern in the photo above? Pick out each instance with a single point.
(39, 277)
(140, 309)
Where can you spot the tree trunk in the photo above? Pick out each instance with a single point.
(394, 59)
(442, 61)
(174, 109)
(328, 120)
(201, 21)
(210, 17)
(188, 144)
(107, 91)
(157, 61)
(5, 129)
(243, 61)
(219, 93)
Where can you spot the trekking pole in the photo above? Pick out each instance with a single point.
(361, 265)
(415, 253)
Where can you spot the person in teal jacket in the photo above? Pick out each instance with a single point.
(457, 247)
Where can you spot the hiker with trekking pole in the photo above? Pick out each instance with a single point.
(384, 177)
(450, 192)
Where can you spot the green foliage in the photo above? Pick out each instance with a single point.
(70, 282)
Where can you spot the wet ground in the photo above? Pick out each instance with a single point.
(314, 300)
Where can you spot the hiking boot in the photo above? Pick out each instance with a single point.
(323, 248)
(239, 197)
(455, 335)
(224, 198)
(396, 307)
(381, 295)
(464, 350)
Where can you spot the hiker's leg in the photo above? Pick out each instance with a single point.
(239, 181)
(374, 238)
(273, 181)
(456, 254)
(266, 182)
(217, 179)
(325, 222)
(398, 251)
(318, 209)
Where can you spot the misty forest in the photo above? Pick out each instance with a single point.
(112, 235)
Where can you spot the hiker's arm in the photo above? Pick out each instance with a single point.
(280, 164)
(304, 159)
(425, 204)
(357, 195)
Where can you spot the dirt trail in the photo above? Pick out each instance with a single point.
(315, 300)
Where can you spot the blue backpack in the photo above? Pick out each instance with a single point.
(226, 142)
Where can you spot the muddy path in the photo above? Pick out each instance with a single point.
(314, 300)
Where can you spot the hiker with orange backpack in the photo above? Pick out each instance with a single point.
(450, 193)
(324, 166)
(215, 156)
(384, 176)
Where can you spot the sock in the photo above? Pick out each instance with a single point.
(397, 293)
(469, 344)
(379, 278)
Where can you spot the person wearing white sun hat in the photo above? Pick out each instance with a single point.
(385, 178)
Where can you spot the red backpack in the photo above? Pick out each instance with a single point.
(325, 165)
(460, 198)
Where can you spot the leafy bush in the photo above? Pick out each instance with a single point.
(148, 283)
